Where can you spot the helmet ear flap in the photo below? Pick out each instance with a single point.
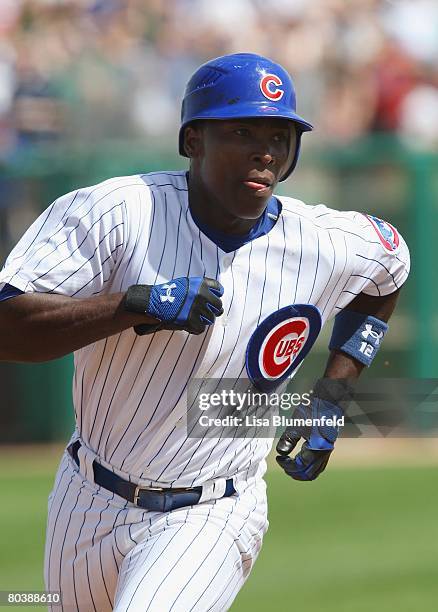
(293, 156)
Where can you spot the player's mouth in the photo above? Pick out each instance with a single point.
(260, 184)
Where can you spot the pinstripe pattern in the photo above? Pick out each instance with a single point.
(130, 392)
(312, 254)
(105, 554)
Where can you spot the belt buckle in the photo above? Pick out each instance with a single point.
(138, 489)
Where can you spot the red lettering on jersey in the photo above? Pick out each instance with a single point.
(282, 346)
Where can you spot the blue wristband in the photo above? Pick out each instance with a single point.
(359, 335)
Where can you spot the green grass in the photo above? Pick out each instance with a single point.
(362, 540)
(356, 540)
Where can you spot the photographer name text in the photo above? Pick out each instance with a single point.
(274, 420)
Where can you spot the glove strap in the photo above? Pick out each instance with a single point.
(137, 298)
(334, 390)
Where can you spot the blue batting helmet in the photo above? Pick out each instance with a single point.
(238, 86)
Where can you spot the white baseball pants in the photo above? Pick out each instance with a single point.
(103, 553)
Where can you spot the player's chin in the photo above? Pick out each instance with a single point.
(252, 202)
(250, 210)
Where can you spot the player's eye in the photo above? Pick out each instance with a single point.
(281, 137)
(241, 131)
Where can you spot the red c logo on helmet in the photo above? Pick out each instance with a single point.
(281, 347)
(269, 86)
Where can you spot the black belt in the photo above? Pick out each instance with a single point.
(150, 498)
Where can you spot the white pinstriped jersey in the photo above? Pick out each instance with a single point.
(130, 391)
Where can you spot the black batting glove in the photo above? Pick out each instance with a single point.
(319, 439)
(188, 304)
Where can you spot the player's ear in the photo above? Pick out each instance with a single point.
(193, 143)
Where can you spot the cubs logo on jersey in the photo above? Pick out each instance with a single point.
(280, 343)
(270, 87)
(386, 232)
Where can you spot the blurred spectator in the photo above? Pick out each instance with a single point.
(396, 74)
(419, 117)
(90, 69)
(414, 25)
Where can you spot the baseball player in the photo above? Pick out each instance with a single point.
(156, 279)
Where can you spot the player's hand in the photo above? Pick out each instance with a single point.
(319, 440)
(189, 304)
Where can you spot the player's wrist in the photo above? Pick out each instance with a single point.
(162, 302)
(359, 335)
(134, 304)
(188, 304)
(137, 299)
(337, 391)
(327, 418)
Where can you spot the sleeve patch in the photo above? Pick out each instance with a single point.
(386, 232)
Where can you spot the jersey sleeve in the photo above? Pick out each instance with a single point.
(72, 247)
(383, 260)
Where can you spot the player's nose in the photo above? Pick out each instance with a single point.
(265, 158)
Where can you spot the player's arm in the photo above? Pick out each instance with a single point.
(41, 326)
(344, 365)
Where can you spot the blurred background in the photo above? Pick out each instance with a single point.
(91, 89)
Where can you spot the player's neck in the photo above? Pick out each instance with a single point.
(210, 211)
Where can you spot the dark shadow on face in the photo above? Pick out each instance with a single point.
(235, 166)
